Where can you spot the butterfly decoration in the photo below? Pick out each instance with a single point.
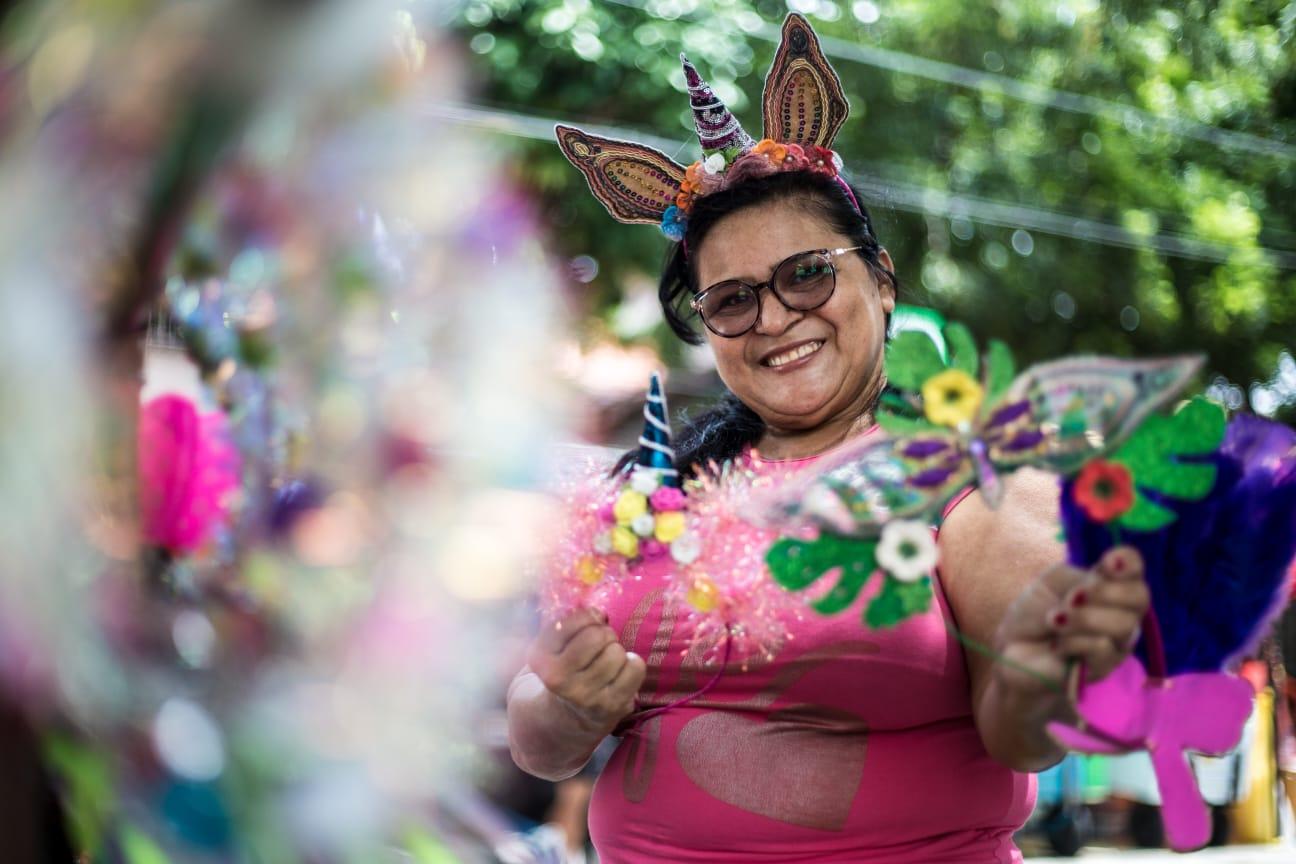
(968, 423)
(953, 425)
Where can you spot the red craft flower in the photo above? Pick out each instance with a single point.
(821, 160)
(1104, 490)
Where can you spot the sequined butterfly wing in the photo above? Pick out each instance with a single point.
(634, 182)
(867, 484)
(803, 101)
(1057, 416)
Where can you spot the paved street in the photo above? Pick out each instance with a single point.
(1275, 854)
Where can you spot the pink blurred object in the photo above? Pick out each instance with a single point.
(574, 573)
(1127, 711)
(188, 470)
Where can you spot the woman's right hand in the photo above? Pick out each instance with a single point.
(580, 660)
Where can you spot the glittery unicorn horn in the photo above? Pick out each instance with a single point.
(717, 127)
(655, 451)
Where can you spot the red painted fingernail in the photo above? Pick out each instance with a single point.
(1079, 598)
(1060, 619)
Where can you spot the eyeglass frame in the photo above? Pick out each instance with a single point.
(829, 254)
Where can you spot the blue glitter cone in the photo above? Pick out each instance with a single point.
(655, 449)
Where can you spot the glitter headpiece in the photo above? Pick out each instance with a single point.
(803, 107)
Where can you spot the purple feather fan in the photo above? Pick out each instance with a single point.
(1218, 573)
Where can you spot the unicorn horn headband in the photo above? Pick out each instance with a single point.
(803, 108)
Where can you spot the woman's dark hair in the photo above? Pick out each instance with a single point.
(722, 431)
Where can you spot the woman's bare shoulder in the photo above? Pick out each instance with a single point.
(1010, 542)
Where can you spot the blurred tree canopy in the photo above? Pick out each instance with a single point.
(1061, 174)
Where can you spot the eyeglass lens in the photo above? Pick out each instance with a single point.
(802, 282)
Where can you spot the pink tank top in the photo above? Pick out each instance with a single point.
(853, 745)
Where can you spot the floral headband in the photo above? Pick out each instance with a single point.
(804, 107)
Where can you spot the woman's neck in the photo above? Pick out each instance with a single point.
(784, 443)
(778, 443)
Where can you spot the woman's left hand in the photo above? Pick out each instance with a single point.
(1068, 614)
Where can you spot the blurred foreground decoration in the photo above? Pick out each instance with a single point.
(350, 298)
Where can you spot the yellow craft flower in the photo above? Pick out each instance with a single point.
(624, 542)
(669, 526)
(629, 504)
(589, 570)
(703, 595)
(951, 398)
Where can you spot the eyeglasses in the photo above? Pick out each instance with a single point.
(802, 282)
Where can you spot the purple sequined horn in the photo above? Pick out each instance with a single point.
(717, 127)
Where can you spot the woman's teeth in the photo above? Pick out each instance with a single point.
(795, 354)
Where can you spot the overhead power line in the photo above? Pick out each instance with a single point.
(911, 197)
(1037, 94)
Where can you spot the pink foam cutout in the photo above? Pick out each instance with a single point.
(1199, 712)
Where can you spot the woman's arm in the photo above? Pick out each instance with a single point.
(579, 683)
(1001, 575)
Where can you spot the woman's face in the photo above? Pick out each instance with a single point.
(846, 334)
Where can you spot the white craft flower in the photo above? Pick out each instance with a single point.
(686, 548)
(907, 550)
(714, 164)
(603, 543)
(645, 480)
(644, 524)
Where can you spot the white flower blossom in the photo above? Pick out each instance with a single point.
(645, 480)
(907, 550)
(603, 543)
(714, 164)
(686, 548)
(644, 524)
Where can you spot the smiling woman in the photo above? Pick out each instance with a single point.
(852, 745)
(810, 370)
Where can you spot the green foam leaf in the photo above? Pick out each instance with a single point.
(897, 601)
(1152, 452)
(1145, 515)
(843, 594)
(962, 347)
(912, 358)
(1000, 370)
(797, 564)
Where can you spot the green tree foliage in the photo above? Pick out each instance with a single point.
(1164, 125)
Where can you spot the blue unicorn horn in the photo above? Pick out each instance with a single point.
(655, 449)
